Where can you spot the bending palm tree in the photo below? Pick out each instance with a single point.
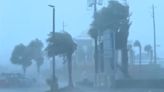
(94, 34)
(148, 49)
(137, 44)
(108, 19)
(62, 44)
(131, 53)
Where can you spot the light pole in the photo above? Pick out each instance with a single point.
(53, 58)
(154, 27)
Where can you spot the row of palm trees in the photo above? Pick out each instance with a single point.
(24, 55)
(116, 18)
(148, 49)
(59, 44)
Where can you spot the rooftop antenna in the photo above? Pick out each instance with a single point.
(63, 26)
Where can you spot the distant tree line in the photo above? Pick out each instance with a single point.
(59, 44)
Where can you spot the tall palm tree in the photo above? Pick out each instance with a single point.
(39, 62)
(131, 53)
(122, 41)
(21, 56)
(35, 47)
(118, 22)
(148, 49)
(62, 44)
(93, 32)
(138, 44)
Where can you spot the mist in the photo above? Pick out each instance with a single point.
(78, 66)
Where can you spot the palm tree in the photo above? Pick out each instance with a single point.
(131, 53)
(148, 49)
(118, 22)
(122, 41)
(35, 47)
(21, 56)
(62, 44)
(39, 62)
(138, 44)
(93, 32)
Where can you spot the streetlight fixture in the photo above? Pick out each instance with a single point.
(51, 6)
(53, 58)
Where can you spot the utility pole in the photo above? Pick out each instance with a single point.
(96, 45)
(54, 84)
(94, 3)
(95, 8)
(154, 27)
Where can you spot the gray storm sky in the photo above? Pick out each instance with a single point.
(24, 20)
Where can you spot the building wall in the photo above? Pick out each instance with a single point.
(84, 52)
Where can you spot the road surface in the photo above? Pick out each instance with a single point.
(37, 89)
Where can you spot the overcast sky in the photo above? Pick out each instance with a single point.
(24, 20)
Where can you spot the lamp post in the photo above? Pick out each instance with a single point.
(154, 28)
(53, 87)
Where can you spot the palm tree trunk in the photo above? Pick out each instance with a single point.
(151, 56)
(96, 60)
(140, 57)
(125, 61)
(96, 56)
(69, 57)
(132, 56)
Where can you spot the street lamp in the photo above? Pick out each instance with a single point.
(154, 28)
(53, 58)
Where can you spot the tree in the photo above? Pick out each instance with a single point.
(93, 32)
(114, 17)
(121, 43)
(62, 44)
(35, 47)
(138, 44)
(21, 56)
(148, 49)
(131, 53)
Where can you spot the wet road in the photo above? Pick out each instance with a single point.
(34, 89)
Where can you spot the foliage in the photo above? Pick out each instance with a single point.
(138, 44)
(149, 50)
(115, 17)
(36, 53)
(131, 53)
(93, 32)
(21, 56)
(62, 44)
(110, 17)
